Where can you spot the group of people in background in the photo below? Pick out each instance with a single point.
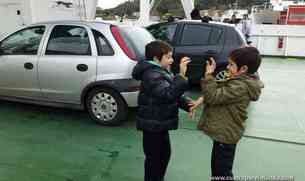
(245, 22)
(195, 15)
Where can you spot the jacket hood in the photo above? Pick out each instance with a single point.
(254, 86)
(141, 68)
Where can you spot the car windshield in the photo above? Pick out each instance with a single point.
(137, 38)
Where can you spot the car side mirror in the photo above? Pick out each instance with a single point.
(249, 42)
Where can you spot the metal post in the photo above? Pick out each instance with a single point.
(146, 5)
(144, 12)
(188, 6)
(286, 45)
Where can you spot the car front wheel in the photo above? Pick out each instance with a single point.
(106, 106)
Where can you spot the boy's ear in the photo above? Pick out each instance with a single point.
(244, 69)
(156, 59)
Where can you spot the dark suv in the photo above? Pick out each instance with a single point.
(199, 41)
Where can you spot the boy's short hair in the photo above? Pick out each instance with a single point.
(248, 56)
(195, 14)
(157, 49)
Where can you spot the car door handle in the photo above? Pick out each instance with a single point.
(82, 67)
(211, 52)
(28, 65)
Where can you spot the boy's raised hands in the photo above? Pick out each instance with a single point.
(183, 65)
(194, 106)
(210, 66)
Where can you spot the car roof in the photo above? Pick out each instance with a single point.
(195, 21)
(70, 22)
(211, 22)
(78, 22)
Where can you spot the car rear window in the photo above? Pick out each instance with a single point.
(68, 40)
(164, 32)
(196, 35)
(137, 38)
(217, 36)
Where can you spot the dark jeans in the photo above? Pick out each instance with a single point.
(222, 160)
(157, 152)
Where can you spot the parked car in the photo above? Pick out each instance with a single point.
(199, 41)
(84, 65)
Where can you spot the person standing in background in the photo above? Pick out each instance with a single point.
(246, 27)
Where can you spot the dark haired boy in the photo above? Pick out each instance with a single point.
(225, 106)
(160, 97)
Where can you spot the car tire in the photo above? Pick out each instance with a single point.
(106, 106)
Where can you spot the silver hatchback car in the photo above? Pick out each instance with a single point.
(75, 64)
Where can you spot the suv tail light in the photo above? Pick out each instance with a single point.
(122, 43)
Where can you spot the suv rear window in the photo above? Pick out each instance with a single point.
(137, 38)
(196, 35)
(164, 32)
(217, 36)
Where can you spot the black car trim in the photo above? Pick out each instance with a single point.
(119, 85)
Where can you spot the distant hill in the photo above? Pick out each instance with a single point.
(128, 8)
(174, 6)
(227, 4)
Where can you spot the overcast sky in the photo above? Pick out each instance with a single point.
(105, 4)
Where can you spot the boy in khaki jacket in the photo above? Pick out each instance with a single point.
(225, 106)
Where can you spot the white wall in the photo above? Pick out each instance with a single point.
(9, 19)
(266, 39)
(265, 16)
(48, 10)
(42, 10)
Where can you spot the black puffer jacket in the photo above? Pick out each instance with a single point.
(160, 97)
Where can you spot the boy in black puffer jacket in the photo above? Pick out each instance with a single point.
(160, 97)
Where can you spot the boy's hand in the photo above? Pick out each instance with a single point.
(183, 65)
(210, 66)
(197, 103)
(194, 105)
(192, 114)
(191, 110)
